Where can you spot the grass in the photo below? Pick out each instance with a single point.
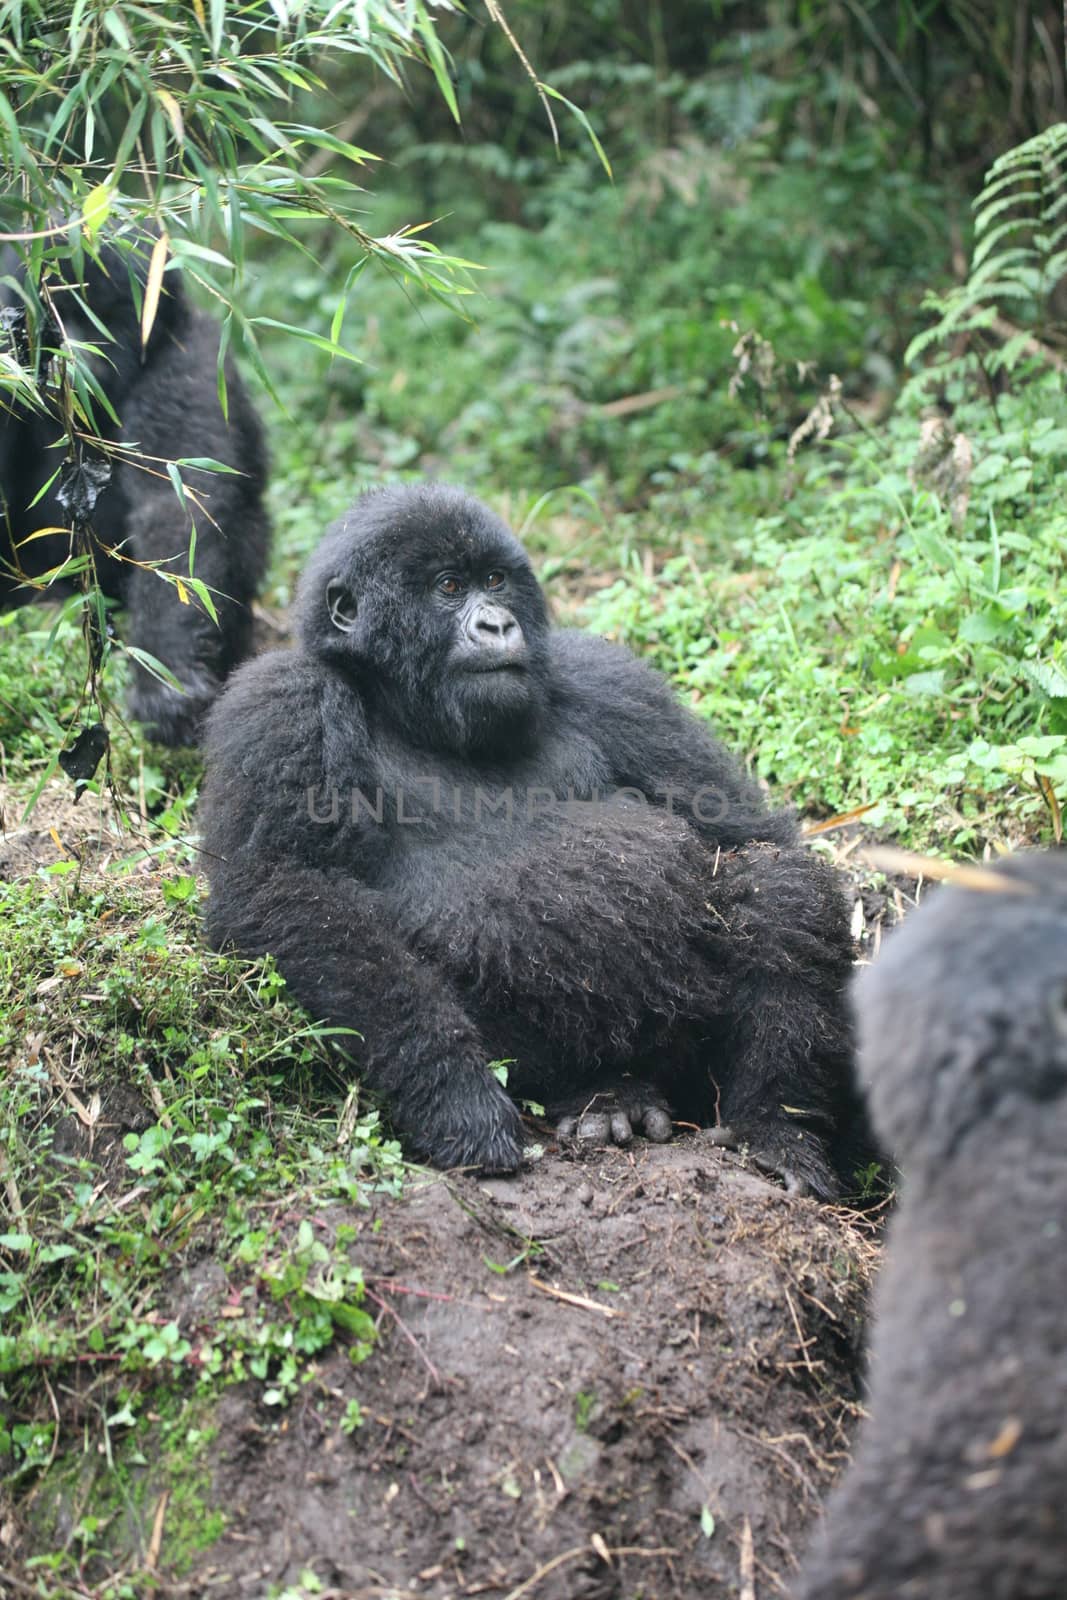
(863, 649)
(856, 637)
(168, 1119)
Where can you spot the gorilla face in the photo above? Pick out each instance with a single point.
(430, 600)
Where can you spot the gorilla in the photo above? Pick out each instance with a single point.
(475, 840)
(166, 401)
(959, 1483)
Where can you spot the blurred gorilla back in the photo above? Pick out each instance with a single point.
(959, 1483)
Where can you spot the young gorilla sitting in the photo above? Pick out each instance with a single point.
(470, 838)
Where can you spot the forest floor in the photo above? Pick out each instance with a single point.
(649, 1402)
(621, 1373)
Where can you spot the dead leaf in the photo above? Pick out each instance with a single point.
(1011, 1432)
(153, 285)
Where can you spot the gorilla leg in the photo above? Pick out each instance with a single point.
(173, 625)
(779, 935)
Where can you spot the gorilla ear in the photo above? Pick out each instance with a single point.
(342, 606)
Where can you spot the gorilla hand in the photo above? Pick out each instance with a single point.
(466, 1120)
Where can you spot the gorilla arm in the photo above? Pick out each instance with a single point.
(658, 748)
(777, 936)
(279, 885)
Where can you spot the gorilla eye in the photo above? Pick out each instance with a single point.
(449, 584)
(496, 580)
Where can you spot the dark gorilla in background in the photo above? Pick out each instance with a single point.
(474, 838)
(959, 1486)
(167, 404)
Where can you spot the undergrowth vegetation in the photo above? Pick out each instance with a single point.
(872, 651)
(692, 392)
(173, 1135)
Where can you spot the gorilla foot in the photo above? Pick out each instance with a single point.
(782, 1150)
(613, 1115)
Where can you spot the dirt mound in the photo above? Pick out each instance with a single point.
(625, 1375)
(58, 828)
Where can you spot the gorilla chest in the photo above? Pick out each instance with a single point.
(438, 821)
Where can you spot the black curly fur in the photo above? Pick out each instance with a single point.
(548, 905)
(958, 1488)
(167, 404)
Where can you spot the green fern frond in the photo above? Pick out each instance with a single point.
(1019, 254)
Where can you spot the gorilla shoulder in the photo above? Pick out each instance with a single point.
(283, 715)
(657, 745)
(592, 677)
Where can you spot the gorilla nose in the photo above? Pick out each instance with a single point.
(494, 622)
(496, 631)
(494, 637)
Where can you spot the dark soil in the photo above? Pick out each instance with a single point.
(626, 1375)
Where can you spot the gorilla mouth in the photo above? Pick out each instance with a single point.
(477, 668)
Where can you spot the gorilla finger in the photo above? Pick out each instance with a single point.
(621, 1131)
(500, 1165)
(594, 1127)
(657, 1124)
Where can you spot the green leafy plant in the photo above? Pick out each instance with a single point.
(1019, 257)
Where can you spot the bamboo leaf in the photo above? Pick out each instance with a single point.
(577, 112)
(179, 488)
(201, 252)
(153, 284)
(40, 533)
(206, 464)
(220, 372)
(150, 663)
(438, 60)
(329, 141)
(129, 135)
(116, 26)
(174, 112)
(307, 336)
(203, 594)
(96, 210)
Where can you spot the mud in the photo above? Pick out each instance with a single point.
(632, 1374)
